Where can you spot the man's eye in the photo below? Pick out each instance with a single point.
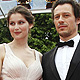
(56, 17)
(66, 15)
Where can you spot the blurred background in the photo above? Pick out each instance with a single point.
(43, 36)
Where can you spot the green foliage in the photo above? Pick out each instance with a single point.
(43, 35)
(4, 32)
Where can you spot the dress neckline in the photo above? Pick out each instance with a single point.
(21, 60)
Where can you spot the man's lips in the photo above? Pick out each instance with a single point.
(62, 26)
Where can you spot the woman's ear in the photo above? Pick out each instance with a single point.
(30, 26)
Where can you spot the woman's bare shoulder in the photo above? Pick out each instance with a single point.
(1, 47)
(2, 50)
(2, 54)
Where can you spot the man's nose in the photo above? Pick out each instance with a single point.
(61, 19)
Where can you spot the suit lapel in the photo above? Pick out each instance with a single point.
(74, 62)
(52, 64)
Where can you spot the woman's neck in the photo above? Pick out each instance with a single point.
(19, 44)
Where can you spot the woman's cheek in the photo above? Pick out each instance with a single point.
(24, 28)
(11, 29)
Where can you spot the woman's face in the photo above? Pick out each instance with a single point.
(19, 26)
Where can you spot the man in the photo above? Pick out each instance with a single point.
(63, 62)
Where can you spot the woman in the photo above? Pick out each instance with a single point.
(17, 60)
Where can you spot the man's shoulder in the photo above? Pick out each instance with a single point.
(48, 54)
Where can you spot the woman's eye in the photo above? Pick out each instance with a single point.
(21, 22)
(12, 23)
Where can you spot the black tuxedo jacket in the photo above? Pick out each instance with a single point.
(49, 69)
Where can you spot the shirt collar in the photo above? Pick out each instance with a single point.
(76, 38)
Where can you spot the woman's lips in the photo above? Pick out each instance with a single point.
(17, 33)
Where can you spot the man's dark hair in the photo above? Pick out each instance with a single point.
(75, 7)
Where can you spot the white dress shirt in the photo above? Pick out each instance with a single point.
(63, 57)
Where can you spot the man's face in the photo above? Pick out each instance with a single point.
(64, 20)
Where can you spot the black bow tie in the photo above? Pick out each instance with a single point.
(69, 43)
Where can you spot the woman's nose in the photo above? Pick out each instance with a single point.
(16, 26)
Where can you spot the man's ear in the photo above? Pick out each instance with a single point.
(78, 21)
(30, 26)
